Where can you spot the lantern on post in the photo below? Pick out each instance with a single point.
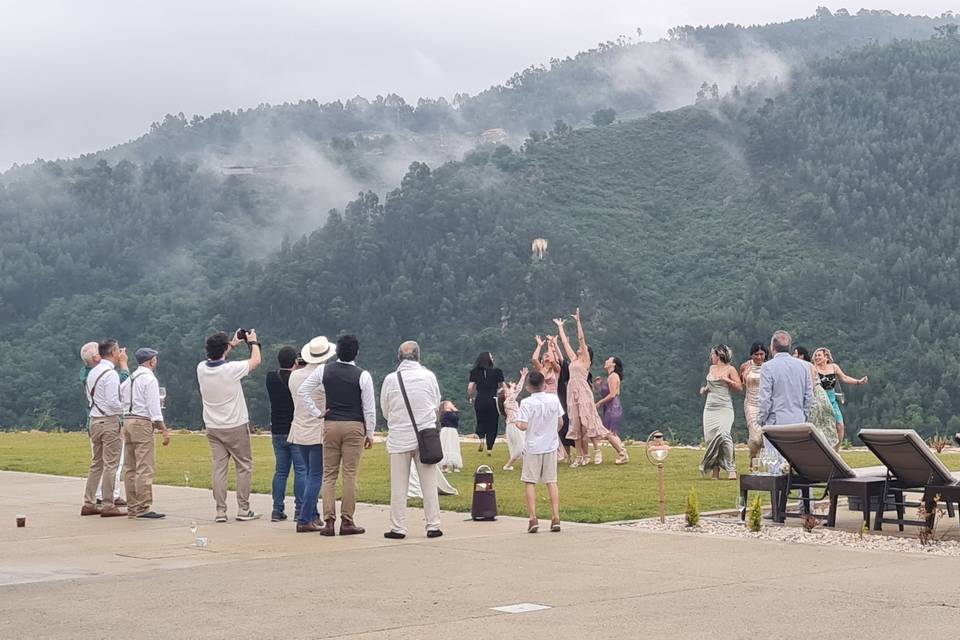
(657, 452)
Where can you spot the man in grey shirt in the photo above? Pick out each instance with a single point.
(786, 390)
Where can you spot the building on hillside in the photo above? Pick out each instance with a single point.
(493, 136)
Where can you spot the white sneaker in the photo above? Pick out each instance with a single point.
(249, 515)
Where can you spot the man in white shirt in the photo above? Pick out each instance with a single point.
(90, 354)
(541, 417)
(349, 420)
(141, 402)
(423, 392)
(103, 396)
(226, 420)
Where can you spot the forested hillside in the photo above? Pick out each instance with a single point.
(827, 205)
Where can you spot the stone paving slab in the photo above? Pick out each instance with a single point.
(64, 576)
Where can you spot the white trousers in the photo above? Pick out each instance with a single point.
(400, 464)
(116, 486)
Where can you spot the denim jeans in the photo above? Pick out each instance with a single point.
(284, 454)
(312, 457)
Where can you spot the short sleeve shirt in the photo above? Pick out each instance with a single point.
(224, 406)
(541, 412)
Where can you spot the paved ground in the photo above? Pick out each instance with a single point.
(64, 576)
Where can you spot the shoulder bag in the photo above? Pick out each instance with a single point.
(428, 440)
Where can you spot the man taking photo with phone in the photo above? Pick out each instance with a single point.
(225, 417)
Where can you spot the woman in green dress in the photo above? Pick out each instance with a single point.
(722, 378)
(821, 415)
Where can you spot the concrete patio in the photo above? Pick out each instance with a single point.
(64, 576)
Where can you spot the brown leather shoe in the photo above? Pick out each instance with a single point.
(89, 510)
(112, 512)
(310, 527)
(348, 528)
(119, 502)
(327, 528)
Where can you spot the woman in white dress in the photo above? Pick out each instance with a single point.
(450, 437)
(508, 406)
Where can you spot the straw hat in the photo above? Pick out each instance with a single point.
(317, 351)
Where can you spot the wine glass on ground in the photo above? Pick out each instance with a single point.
(741, 506)
(186, 478)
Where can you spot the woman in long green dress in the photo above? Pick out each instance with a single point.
(722, 378)
(821, 414)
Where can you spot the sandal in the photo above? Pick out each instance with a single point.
(623, 458)
(598, 457)
(533, 526)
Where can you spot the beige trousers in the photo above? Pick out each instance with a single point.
(106, 442)
(400, 483)
(342, 444)
(225, 444)
(139, 465)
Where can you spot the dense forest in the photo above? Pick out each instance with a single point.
(827, 205)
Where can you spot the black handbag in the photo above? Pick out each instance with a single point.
(428, 440)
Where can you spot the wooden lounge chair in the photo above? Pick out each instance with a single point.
(815, 465)
(911, 466)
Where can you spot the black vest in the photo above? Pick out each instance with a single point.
(341, 384)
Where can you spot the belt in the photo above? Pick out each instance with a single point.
(139, 418)
(92, 418)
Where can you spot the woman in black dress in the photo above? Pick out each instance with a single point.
(485, 381)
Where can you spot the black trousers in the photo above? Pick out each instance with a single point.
(488, 419)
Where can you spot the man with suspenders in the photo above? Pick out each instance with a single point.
(90, 354)
(141, 404)
(103, 396)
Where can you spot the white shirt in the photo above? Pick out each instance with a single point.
(541, 412)
(224, 406)
(146, 395)
(304, 428)
(424, 394)
(106, 396)
(315, 380)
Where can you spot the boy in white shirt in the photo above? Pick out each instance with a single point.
(541, 417)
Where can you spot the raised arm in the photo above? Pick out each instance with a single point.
(844, 378)
(581, 338)
(523, 381)
(571, 354)
(535, 358)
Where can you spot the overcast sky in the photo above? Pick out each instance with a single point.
(79, 76)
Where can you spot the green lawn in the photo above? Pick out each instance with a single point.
(591, 494)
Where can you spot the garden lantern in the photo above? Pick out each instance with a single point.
(657, 452)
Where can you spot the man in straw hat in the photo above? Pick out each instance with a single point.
(306, 436)
(140, 395)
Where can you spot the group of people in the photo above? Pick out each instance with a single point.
(790, 387)
(124, 412)
(566, 373)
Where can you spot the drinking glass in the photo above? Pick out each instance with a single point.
(741, 506)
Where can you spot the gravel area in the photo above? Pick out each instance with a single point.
(733, 528)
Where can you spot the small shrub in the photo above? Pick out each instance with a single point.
(928, 535)
(755, 515)
(846, 445)
(864, 530)
(693, 509)
(809, 522)
(938, 443)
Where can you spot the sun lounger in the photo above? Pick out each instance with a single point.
(911, 466)
(815, 465)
